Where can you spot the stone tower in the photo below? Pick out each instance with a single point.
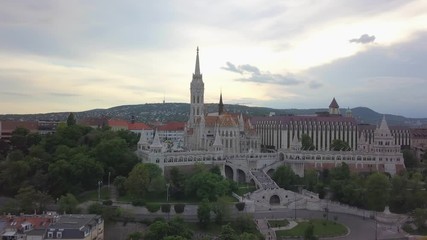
(197, 89)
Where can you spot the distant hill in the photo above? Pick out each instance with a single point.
(152, 112)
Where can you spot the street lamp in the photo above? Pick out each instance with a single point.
(99, 190)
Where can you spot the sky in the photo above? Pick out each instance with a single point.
(77, 55)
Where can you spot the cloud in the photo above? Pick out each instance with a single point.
(314, 85)
(365, 38)
(257, 76)
(15, 94)
(58, 94)
(232, 68)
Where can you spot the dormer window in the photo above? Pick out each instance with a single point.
(49, 234)
(59, 235)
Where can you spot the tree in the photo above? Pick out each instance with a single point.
(227, 233)
(409, 159)
(377, 191)
(309, 232)
(119, 183)
(221, 209)
(31, 200)
(285, 177)
(420, 218)
(68, 204)
(340, 145)
(138, 181)
(208, 185)
(248, 236)
(204, 213)
(71, 119)
(307, 142)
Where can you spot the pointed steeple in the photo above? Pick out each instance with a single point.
(220, 105)
(383, 125)
(217, 142)
(197, 70)
(334, 108)
(156, 145)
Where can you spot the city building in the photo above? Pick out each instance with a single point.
(233, 141)
(76, 226)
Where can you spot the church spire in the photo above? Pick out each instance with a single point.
(197, 70)
(220, 105)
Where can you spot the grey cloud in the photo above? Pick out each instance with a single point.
(15, 94)
(258, 76)
(314, 85)
(58, 94)
(232, 68)
(365, 38)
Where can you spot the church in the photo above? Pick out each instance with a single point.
(231, 133)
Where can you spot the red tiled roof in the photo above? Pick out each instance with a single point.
(334, 104)
(138, 126)
(419, 133)
(289, 119)
(117, 123)
(172, 126)
(10, 126)
(36, 221)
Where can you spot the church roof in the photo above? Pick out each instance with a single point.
(334, 104)
(156, 141)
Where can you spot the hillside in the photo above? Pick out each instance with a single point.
(152, 112)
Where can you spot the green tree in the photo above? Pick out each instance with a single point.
(377, 191)
(221, 209)
(307, 142)
(420, 218)
(204, 213)
(409, 159)
(309, 233)
(138, 181)
(31, 200)
(340, 145)
(227, 233)
(285, 177)
(204, 184)
(248, 236)
(119, 183)
(71, 119)
(68, 204)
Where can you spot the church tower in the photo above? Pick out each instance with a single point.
(197, 89)
(220, 105)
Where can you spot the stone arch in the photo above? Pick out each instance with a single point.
(274, 200)
(241, 176)
(281, 156)
(229, 173)
(252, 182)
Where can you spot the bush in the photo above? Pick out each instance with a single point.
(152, 207)
(107, 202)
(95, 208)
(179, 208)
(138, 203)
(240, 206)
(166, 208)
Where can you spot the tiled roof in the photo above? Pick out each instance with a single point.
(138, 126)
(334, 104)
(117, 123)
(419, 133)
(312, 119)
(172, 126)
(9, 126)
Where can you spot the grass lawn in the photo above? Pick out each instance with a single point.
(278, 223)
(322, 228)
(93, 195)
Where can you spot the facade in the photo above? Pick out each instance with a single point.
(52, 226)
(279, 131)
(76, 226)
(7, 127)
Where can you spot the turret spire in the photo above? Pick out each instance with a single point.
(220, 105)
(197, 70)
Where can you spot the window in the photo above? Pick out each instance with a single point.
(59, 235)
(49, 234)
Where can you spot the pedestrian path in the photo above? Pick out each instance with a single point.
(265, 229)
